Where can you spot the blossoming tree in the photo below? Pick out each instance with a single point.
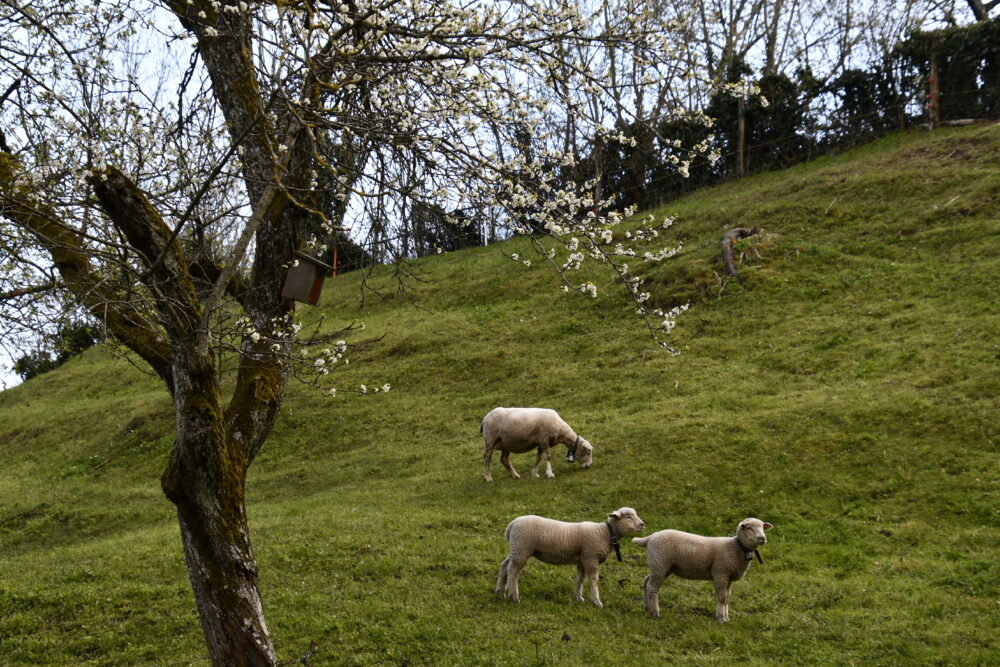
(159, 161)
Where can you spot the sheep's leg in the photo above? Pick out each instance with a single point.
(651, 593)
(548, 462)
(514, 568)
(729, 592)
(505, 460)
(487, 461)
(578, 593)
(502, 578)
(723, 587)
(592, 574)
(538, 459)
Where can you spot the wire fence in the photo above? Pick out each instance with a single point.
(807, 142)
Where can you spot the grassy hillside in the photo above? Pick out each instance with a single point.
(847, 392)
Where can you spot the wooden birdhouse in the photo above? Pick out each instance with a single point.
(304, 280)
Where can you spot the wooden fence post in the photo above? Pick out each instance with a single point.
(740, 135)
(934, 94)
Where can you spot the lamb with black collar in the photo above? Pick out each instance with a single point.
(721, 560)
(586, 544)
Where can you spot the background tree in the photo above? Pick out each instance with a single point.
(776, 37)
(812, 77)
(71, 339)
(160, 162)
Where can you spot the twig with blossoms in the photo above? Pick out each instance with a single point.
(598, 244)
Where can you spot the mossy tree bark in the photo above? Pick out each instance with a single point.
(205, 480)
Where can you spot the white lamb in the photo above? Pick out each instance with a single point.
(722, 560)
(520, 430)
(586, 544)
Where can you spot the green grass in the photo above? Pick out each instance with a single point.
(847, 391)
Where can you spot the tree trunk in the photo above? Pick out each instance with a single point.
(598, 168)
(223, 576)
(771, 38)
(206, 480)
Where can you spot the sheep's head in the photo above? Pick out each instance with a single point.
(584, 454)
(751, 532)
(626, 521)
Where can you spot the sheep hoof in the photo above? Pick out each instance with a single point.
(598, 604)
(550, 475)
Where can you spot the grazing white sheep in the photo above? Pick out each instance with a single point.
(722, 560)
(517, 430)
(586, 544)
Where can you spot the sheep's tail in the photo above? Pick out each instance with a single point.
(506, 531)
(481, 425)
(641, 541)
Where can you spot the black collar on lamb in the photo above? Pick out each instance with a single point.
(614, 540)
(749, 553)
(572, 450)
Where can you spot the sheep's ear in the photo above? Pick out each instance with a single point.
(767, 526)
(615, 515)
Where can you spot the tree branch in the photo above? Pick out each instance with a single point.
(224, 40)
(132, 213)
(26, 291)
(121, 317)
(262, 208)
(980, 10)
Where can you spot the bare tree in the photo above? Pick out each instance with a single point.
(159, 162)
(780, 36)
